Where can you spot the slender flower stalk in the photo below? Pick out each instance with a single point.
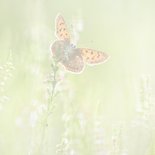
(51, 89)
(5, 76)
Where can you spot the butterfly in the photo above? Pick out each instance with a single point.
(72, 58)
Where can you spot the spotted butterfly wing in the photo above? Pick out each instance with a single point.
(74, 63)
(61, 29)
(93, 57)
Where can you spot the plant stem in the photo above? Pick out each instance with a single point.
(50, 106)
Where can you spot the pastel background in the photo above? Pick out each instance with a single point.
(109, 109)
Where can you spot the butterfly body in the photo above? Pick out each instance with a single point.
(72, 58)
(68, 55)
(64, 51)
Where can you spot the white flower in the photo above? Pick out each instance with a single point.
(33, 119)
(72, 152)
(41, 108)
(66, 117)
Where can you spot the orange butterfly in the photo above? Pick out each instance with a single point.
(73, 59)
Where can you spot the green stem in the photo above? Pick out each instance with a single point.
(49, 107)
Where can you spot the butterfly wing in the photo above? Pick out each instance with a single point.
(58, 48)
(93, 57)
(74, 63)
(61, 29)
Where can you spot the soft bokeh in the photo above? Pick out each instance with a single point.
(106, 110)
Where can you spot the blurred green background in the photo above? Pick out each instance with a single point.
(106, 110)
